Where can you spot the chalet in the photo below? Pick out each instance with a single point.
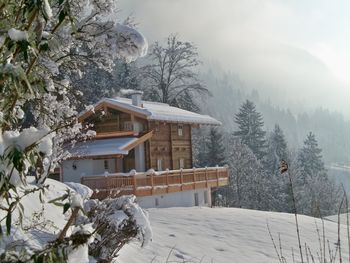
(143, 148)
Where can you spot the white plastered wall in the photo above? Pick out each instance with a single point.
(140, 163)
(178, 199)
(85, 167)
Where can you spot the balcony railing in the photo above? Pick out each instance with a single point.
(146, 184)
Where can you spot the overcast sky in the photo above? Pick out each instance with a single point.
(298, 49)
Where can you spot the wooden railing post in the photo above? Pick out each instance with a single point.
(152, 183)
(107, 183)
(206, 177)
(167, 181)
(194, 177)
(181, 179)
(134, 184)
(217, 175)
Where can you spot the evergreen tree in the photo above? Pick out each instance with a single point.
(318, 194)
(276, 151)
(310, 157)
(250, 129)
(215, 149)
(278, 185)
(215, 155)
(248, 186)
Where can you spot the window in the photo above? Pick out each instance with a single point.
(156, 202)
(128, 126)
(181, 163)
(180, 129)
(196, 201)
(105, 164)
(159, 165)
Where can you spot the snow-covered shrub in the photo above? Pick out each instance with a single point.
(117, 221)
(38, 40)
(72, 225)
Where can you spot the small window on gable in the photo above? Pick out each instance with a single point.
(181, 163)
(159, 164)
(157, 127)
(105, 164)
(180, 128)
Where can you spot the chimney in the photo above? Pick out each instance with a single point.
(136, 98)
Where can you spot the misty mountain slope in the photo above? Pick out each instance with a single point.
(332, 130)
(280, 48)
(223, 235)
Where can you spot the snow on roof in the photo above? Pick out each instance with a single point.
(102, 147)
(161, 111)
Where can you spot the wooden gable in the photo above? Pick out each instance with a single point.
(104, 106)
(109, 119)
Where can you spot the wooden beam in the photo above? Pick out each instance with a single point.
(102, 135)
(96, 157)
(140, 140)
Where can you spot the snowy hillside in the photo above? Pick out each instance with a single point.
(223, 235)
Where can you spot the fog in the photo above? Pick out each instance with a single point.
(295, 52)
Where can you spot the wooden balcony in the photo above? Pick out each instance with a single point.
(142, 184)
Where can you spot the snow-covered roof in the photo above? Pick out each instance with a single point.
(160, 111)
(101, 147)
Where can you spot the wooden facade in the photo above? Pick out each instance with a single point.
(170, 147)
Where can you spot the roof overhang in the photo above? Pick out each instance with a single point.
(151, 111)
(103, 104)
(107, 148)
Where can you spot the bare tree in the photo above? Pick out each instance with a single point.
(171, 76)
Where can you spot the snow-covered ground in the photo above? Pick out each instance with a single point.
(223, 235)
(342, 219)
